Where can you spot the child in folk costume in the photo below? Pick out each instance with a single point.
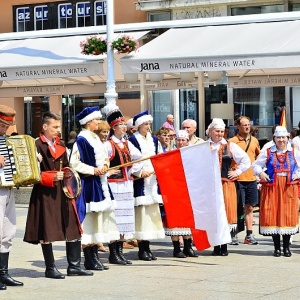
(182, 140)
(148, 224)
(228, 152)
(279, 192)
(95, 204)
(121, 151)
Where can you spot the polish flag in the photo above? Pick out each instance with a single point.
(190, 183)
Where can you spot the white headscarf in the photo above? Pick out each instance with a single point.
(216, 123)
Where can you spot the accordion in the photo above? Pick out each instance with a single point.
(21, 165)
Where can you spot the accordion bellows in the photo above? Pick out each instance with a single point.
(26, 165)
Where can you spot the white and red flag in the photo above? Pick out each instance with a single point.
(190, 183)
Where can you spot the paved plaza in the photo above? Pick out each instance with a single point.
(249, 272)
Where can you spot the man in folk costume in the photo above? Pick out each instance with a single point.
(148, 224)
(228, 152)
(51, 215)
(121, 151)
(95, 204)
(7, 206)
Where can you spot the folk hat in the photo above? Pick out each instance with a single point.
(114, 117)
(88, 114)
(7, 115)
(281, 131)
(183, 134)
(141, 118)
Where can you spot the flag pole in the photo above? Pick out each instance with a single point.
(130, 163)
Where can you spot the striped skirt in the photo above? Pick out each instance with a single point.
(279, 208)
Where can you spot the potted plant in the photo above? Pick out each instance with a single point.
(125, 44)
(93, 46)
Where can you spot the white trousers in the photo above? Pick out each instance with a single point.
(7, 219)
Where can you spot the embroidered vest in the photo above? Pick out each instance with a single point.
(277, 163)
(119, 156)
(225, 159)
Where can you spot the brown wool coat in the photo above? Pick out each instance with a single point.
(51, 215)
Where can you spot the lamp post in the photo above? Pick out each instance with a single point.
(110, 94)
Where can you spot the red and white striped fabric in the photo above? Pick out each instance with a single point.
(190, 183)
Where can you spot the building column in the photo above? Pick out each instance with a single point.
(55, 104)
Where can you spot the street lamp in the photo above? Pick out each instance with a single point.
(110, 94)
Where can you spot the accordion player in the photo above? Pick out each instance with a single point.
(21, 164)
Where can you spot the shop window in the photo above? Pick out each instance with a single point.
(294, 7)
(264, 9)
(100, 13)
(159, 16)
(262, 105)
(65, 13)
(41, 17)
(22, 19)
(83, 14)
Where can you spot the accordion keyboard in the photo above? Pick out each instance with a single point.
(6, 173)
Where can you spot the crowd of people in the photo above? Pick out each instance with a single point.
(120, 198)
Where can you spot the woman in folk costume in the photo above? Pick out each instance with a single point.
(148, 224)
(228, 152)
(279, 192)
(121, 151)
(182, 140)
(95, 205)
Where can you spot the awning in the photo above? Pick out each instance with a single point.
(51, 61)
(256, 49)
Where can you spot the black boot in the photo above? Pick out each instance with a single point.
(96, 257)
(143, 255)
(147, 249)
(286, 245)
(90, 262)
(276, 241)
(224, 251)
(217, 251)
(177, 251)
(187, 248)
(2, 287)
(120, 253)
(114, 258)
(74, 257)
(5, 278)
(51, 271)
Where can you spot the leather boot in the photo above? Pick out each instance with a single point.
(177, 251)
(90, 262)
(114, 258)
(2, 287)
(143, 255)
(120, 253)
(276, 241)
(73, 250)
(286, 245)
(147, 249)
(187, 248)
(96, 257)
(51, 271)
(5, 278)
(217, 251)
(224, 251)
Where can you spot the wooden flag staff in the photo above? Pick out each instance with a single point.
(129, 163)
